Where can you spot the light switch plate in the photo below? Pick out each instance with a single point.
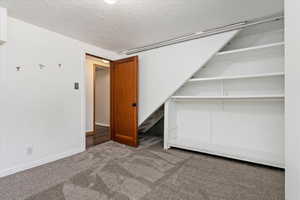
(76, 86)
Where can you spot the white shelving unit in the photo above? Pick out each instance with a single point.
(234, 106)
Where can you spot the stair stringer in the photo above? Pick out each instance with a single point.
(163, 71)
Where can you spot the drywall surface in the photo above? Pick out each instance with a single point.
(162, 71)
(102, 97)
(89, 94)
(42, 115)
(292, 108)
(3, 25)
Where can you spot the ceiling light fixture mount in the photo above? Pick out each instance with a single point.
(110, 1)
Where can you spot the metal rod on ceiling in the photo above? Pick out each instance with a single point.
(202, 34)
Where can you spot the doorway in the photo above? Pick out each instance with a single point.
(111, 100)
(98, 100)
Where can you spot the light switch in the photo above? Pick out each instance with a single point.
(76, 86)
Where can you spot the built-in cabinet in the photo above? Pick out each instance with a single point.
(234, 105)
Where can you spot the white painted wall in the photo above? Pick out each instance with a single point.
(3, 25)
(292, 107)
(162, 71)
(102, 97)
(42, 116)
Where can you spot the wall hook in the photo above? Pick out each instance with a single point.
(41, 66)
(18, 69)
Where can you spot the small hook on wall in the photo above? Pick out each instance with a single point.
(42, 66)
(18, 69)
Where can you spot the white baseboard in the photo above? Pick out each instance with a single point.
(102, 124)
(40, 162)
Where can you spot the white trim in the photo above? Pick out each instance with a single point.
(227, 152)
(228, 97)
(260, 47)
(102, 124)
(237, 77)
(40, 162)
(166, 124)
(83, 97)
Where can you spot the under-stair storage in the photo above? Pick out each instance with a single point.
(234, 105)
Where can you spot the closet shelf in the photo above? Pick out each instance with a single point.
(227, 97)
(237, 77)
(250, 48)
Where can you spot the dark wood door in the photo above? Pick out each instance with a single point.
(124, 101)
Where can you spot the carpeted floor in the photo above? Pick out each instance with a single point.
(113, 171)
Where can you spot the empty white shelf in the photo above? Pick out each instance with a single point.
(237, 77)
(251, 48)
(227, 97)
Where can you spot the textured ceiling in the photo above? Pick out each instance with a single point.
(132, 23)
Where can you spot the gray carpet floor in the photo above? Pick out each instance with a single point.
(112, 171)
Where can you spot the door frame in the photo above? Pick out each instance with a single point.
(84, 95)
(91, 133)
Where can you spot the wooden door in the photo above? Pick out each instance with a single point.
(124, 101)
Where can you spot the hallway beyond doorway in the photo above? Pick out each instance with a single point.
(101, 135)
